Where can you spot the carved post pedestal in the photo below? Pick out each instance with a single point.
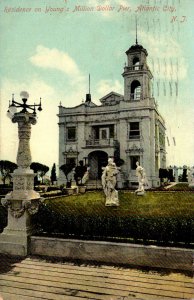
(23, 201)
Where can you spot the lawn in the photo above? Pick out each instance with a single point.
(156, 204)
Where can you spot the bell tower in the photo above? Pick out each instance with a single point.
(137, 75)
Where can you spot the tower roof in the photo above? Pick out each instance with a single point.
(135, 48)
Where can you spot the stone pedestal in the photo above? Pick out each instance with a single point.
(72, 190)
(140, 193)
(113, 200)
(21, 203)
(15, 238)
(82, 189)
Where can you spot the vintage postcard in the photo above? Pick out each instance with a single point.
(49, 48)
(108, 84)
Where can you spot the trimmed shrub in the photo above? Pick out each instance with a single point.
(165, 230)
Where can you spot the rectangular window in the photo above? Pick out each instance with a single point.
(71, 133)
(134, 159)
(134, 132)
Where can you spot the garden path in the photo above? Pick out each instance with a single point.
(33, 278)
(170, 185)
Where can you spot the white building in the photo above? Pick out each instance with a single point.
(128, 125)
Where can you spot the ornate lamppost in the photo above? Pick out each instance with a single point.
(23, 201)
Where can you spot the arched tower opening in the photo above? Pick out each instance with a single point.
(135, 90)
(136, 63)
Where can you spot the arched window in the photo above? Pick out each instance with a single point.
(135, 90)
(136, 63)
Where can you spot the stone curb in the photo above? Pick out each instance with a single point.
(117, 253)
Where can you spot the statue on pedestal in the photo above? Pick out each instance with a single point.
(109, 181)
(140, 173)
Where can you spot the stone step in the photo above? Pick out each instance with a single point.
(94, 184)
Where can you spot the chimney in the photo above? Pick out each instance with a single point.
(88, 98)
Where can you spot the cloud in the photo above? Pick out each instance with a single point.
(58, 60)
(106, 86)
(36, 87)
(180, 126)
(167, 60)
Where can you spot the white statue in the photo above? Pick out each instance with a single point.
(109, 182)
(176, 174)
(86, 176)
(140, 173)
(191, 177)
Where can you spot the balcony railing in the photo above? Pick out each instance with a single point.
(134, 68)
(100, 142)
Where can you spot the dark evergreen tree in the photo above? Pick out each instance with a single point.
(79, 172)
(66, 169)
(53, 174)
(184, 176)
(6, 168)
(39, 169)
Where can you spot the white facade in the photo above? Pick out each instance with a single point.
(128, 126)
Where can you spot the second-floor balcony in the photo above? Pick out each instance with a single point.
(100, 142)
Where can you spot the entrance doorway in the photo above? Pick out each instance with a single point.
(97, 160)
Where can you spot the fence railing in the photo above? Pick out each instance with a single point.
(100, 142)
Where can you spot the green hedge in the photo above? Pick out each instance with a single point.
(147, 229)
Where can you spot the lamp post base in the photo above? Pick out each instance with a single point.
(14, 240)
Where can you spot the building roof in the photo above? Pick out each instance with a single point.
(135, 48)
(111, 97)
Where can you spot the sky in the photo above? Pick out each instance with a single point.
(50, 48)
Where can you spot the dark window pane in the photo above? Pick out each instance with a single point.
(104, 134)
(134, 125)
(71, 133)
(134, 130)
